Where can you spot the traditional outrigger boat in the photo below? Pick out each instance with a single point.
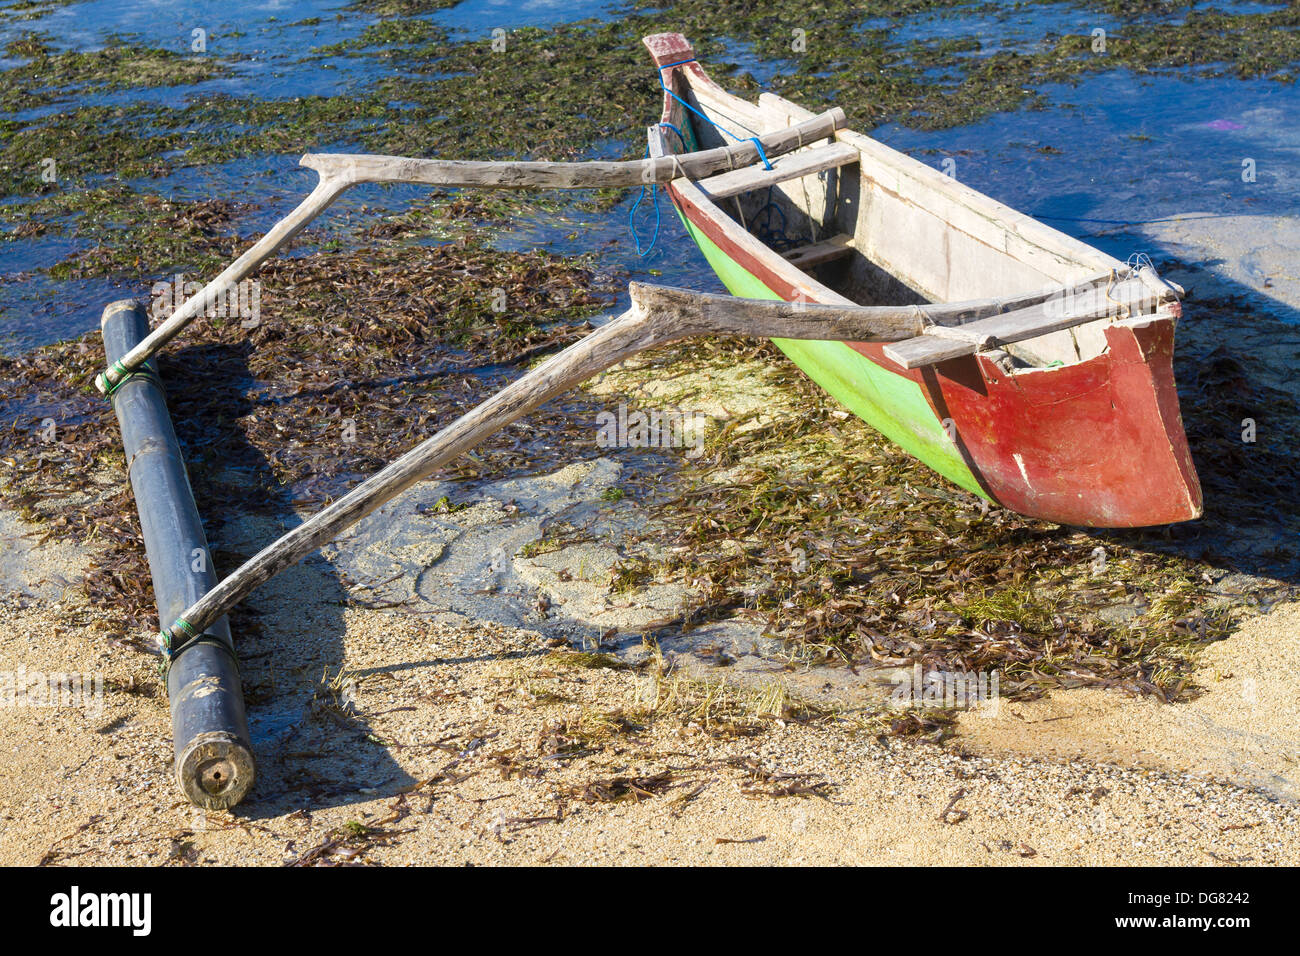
(1023, 365)
(1079, 425)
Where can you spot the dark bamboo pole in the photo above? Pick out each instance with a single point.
(214, 758)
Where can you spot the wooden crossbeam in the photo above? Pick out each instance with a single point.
(807, 257)
(939, 343)
(791, 166)
(339, 172)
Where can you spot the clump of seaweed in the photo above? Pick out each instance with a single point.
(347, 845)
(587, 733)
(353, 359)
(810, 522)
(51, 76)
(767, 781)
(626, 787)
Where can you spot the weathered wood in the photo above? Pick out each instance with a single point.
(658, 316)
(939, 343)
(339, 172)
(810, 256)
(775, 318)
(704, 313)
(793, 166)
(1072, 292)
(363, 168)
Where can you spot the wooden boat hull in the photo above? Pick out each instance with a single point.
(1096, 443)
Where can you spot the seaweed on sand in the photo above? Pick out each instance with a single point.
(353, 359)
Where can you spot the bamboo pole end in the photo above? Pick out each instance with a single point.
(215, 770)
(110, 310)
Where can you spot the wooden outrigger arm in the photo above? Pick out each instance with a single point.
(340, 171)
(658, 316)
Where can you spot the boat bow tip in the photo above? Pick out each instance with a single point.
(668, 48)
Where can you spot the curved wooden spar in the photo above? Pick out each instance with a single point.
(340, 171)
(658, 316)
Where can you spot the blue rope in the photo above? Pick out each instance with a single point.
(766, 232)
(631, 218)
(722, 129)
(654, 198)
(677, 131)
(654, 187)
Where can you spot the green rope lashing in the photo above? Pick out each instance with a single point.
(118, 369)
(165, 643)
(111, 390)
(170, 652)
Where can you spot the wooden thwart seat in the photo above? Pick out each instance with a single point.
(791, 166)
(939, 343)
(807, 257)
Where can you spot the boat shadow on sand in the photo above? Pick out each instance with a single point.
(1237, 349)
(313, 748)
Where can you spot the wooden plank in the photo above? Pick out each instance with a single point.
(810, 256)
(708, 313)
(538, 174)
(793, 166)
(939, 343)
(340, 171)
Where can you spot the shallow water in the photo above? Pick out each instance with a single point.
(1131, 149)
(1115, 148)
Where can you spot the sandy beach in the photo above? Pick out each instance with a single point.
(429, 742)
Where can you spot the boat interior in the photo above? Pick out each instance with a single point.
(867, 224)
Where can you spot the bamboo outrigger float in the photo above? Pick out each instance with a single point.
(214, 757)
(1021, 364)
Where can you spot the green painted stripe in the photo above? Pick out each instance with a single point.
(893, 405)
